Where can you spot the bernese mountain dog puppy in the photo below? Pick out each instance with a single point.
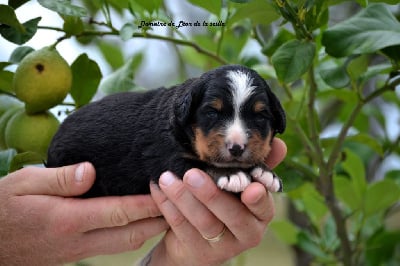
(222, 122)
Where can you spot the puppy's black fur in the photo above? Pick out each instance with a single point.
(131, 138)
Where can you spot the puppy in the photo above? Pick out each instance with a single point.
(222, 122)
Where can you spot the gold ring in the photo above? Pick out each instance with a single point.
(216, 238)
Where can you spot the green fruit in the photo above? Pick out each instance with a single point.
(33, 133)
(4, 118)
(42, 80)
(7, 102)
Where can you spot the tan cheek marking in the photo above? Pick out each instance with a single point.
(260, 147)
(259, 107)
(208, 148)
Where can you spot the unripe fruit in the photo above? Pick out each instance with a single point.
(42, 80)
(26, 132)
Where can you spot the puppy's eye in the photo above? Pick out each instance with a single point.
(212, 114)
(260, 117)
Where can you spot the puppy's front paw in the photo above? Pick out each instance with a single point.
(272, 182)
(234, 183)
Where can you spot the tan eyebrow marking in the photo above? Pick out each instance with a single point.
(259, 107)
(217, 104)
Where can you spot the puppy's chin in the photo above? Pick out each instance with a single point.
(233, 164)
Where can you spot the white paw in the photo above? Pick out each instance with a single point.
(267, 178)
(234, 183)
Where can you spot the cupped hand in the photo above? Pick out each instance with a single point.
(41, 224)
(207, 225)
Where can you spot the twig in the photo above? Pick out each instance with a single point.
(115, 32)
(326, 181)
(312, 119)
(182, 42)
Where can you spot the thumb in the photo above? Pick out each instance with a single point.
(64, 181)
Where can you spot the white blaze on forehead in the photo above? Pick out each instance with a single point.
(241, 86)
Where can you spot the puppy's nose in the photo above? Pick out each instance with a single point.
(236, 150)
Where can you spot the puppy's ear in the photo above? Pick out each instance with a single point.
(187, 100)
(185, 106)
(279, 116)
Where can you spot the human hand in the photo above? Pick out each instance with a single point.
(196, 209)
(41, 225)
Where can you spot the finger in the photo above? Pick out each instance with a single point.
(202, 219)
(182, 229)
(64, 181)
(277, 153)
(226, 207)
(83, 215)
(259, 201)
(119, 239)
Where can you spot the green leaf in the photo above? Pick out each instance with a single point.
(285, 230)
(279, 39)
(18, 37)
(213, 6)
(122, 79)
(293, 59)
(25, 158)
(16, 3)
(150, 5)
(312, 201)
(306, 243)
(329, 237)
(5, 161)
(370, 30)
(6, 78)
(127, 31)
(357, 67)
(314, 205)
(73, 25)
(373, 71)
(258, 11)
(362, 3)
(112, 53)
(3, 65)
(394, 175)
(9, 18)
(336, 77)
(380, 196)
(19, 53)
(354, 166)
(64, 7)
(86, 78)
(392, 52)
(380, 248)
(391, 2)
(345, 191)
(367, 140)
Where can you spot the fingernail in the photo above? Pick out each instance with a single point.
(80, 170)
(154, 185)
(258, 196)
(195, 179)
(167, 179)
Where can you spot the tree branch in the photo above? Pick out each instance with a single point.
(115, 32)
(312, 119)
(183, 43)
